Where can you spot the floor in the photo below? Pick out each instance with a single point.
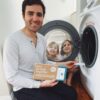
(82, 93)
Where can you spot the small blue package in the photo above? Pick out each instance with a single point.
(61, 73)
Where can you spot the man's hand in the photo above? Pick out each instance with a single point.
(70, 64)
(48, 83)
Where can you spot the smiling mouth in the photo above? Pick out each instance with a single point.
(66, 49)
(33, 25)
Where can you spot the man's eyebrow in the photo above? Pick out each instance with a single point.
(34, 12)
(30, 12)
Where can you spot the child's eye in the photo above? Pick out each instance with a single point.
(64, 45)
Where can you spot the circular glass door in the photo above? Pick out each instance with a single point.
(62, 40)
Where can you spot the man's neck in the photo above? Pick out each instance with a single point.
(29, 33)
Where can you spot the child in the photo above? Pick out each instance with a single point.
(52, 51)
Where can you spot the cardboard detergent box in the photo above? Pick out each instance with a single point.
(49, 72)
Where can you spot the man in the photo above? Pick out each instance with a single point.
(22, 50)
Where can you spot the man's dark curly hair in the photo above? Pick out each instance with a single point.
(32, 2)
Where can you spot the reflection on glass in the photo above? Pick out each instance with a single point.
(52, 51)
(66, 49)
(59, 45)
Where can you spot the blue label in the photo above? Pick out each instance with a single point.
(61, 73)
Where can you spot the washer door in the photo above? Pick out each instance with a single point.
(89, 39)
(89, 46)
(62, 40)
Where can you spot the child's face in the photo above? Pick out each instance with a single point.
(52, 50)
(67, 47)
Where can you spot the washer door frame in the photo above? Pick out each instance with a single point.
(85, 43)
(59, 24)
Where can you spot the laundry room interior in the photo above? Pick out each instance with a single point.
(74, 20)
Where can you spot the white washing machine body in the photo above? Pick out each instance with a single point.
(95, 3)
(90, 74)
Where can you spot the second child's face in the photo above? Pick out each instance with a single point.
(33, 17)
(67, 47)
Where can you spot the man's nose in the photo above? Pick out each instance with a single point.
(35, 17)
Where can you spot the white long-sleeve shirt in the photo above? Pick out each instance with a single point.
(19, 58)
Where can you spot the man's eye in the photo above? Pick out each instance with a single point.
(39, 14)
(30, 14)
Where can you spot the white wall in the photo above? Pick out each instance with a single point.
(10, 21)
(4, 88)
(10, 17)
(59, 9)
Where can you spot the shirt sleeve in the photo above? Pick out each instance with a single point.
(10, 63)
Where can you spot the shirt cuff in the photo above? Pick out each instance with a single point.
(36, 84)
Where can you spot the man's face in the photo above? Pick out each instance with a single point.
(33, 17)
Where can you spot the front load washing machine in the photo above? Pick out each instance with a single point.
(90, 28)
(87, 41)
